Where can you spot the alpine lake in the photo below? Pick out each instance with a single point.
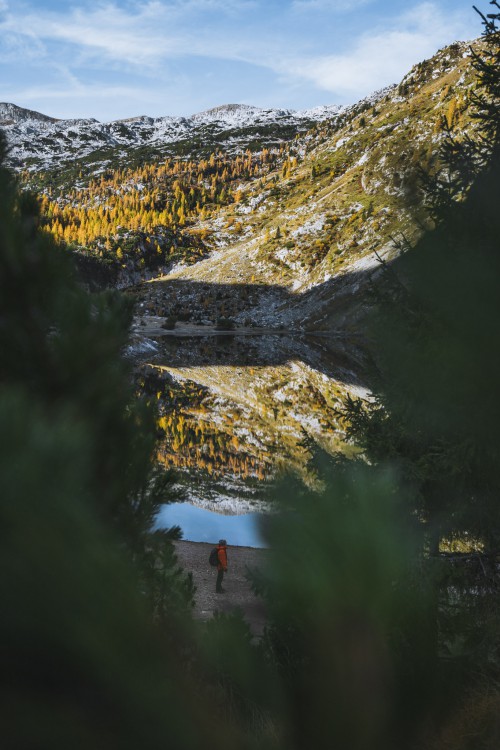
(236, 411)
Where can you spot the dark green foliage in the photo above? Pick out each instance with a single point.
(244, 679)
(169, 323)
(436, 421)
(434, 348)
(65, 350)
(351, 620)
(381, 638)
(81, 666)
(224, 324)
(377, 636)
(487, 66)
(435, 418)
(465, 157)
(94, 636)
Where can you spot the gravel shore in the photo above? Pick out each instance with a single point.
(193, 556)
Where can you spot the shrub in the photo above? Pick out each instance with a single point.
(224, 324)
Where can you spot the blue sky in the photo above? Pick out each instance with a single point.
(113, 59)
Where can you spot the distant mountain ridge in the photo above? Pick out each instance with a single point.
(11, 114)
(228, 113)
(38, 141)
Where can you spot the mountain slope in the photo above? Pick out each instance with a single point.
(12, 115)
(285, 235)
(319, 226)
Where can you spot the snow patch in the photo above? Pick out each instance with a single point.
(138, 348)
(310, 227)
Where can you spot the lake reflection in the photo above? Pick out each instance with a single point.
(199, 525)
(235, 412)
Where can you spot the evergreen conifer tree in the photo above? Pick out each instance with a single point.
(95, 625)
(404, 548)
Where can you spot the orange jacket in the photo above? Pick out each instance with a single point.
(222, 555)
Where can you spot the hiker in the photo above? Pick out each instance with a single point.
(221, 565)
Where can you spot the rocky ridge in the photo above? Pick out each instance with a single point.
(37, 141)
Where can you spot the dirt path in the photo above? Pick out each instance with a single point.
(193, 556)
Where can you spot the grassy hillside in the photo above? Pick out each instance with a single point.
(335, 201)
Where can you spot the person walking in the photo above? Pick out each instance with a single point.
(221, 565)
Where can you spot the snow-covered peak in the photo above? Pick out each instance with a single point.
(228, 115)
(224, 111)
(64, 140)
(138, 120)
(11, 114)
(242, 115)
(323, 112)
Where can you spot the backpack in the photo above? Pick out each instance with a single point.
(214, 557)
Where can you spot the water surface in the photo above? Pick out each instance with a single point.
(235, 413)
(200, 525)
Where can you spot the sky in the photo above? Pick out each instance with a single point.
(113, 59)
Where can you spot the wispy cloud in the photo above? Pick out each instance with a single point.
(147, 36)
(79, 90)
(16, 47)
(382, 56)
(156, 31)
(300, 43)
(105, 30)
(336, 6)
(82, 99)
